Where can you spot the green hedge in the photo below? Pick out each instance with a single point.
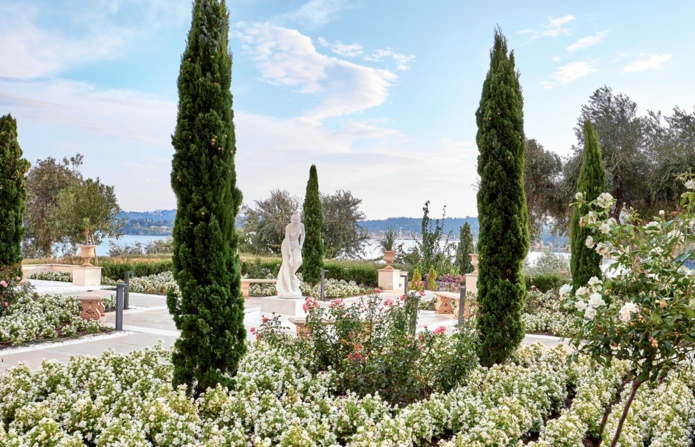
(545, 282)
(362, 272)
(116, 269)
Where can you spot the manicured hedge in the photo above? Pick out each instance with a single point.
(545, 282)
(362, 272)
(116, 269)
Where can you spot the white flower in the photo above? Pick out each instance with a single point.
(580, 305)
(594, 281)
(580, 196)
(657, 250)
(690, 184)
(605, 200)
(626, 311)
(582, 291)
(602, 249)
(596, 300)
(590, 313)
(676, 234)
(590, 242)
(605, 227)
(661, 212)
(651, 224)
(565, 289)
(591, 217)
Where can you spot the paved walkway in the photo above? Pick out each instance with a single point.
(148, 321)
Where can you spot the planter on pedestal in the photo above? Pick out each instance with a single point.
(389, 257)
(87, 252)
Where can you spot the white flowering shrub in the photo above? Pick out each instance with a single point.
(333, 288)
(158, 284)
(128, 400)
(52, 276)
(34, 317)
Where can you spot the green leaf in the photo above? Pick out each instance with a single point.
(656, 318)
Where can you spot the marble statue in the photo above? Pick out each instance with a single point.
(288, 283)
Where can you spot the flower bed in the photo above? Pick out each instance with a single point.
(333, 288)
(32, 317)
(277, 401)
(52, 276)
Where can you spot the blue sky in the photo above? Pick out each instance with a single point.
(380, 95)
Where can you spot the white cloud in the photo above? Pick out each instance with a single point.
(547, 85)
(403, 61)
(347, 50)
(587, 41)
(323, 42)
(573, 71)
(37, 52)
(653, 62)
(555, 26)
(316, 12)
(288, 58)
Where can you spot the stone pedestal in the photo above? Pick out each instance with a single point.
(390, 279)
(86, 276)
(472, 278)
(92, 307)
(282, 306)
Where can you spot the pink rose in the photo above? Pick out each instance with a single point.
(388, 302)
(3, 283)
(252, 330)
(439, 330)
(377, 290)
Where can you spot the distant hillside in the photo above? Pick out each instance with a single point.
(413, 226)
(161, 222)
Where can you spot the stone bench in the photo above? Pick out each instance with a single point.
(445, 303)
(246, 284)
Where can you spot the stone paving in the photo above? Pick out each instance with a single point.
(148, 321)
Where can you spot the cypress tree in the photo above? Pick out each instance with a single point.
(12, 193)
(585, 262)
(312, 251)
(503, 240)
(206, 265)
(464, 249)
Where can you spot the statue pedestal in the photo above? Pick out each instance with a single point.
(283, 306)
(390, 279)
(86, 276)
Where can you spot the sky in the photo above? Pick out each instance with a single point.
(380, 95)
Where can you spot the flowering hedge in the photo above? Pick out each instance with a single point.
(127, 399)
(52, 276)
(333, 288)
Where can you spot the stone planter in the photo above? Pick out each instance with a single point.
(389, 257)
(92, 307)
(87, 252)
(474, 263)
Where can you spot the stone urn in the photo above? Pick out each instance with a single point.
(474, 263)
(87, 252)
(389, 257)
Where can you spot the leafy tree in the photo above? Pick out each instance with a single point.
(542, 170)
(12, 193)
(621, 138)
(210, 311)
(585, 262)
(464, 250)
(503, 239)
(312, 250)
(432, 279)
(44, 181)
(264, 224)
(84, 213)
(342, 233)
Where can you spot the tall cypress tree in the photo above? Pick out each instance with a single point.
(585, 262)
(503, 240)
(206, 266)
(312, 251)
(464, 249)
(12, 193)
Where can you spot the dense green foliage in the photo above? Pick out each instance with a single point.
(263, 226)
(45, 180)
(585, 262)
(12, 193)
(312, 250)
(542, 169)
(464, 250)
(342, 233)
(84, 213)
(503, 241)
(210, 311)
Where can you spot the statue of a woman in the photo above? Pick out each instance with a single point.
(288, 283)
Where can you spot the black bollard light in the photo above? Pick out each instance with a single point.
(120, 292)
